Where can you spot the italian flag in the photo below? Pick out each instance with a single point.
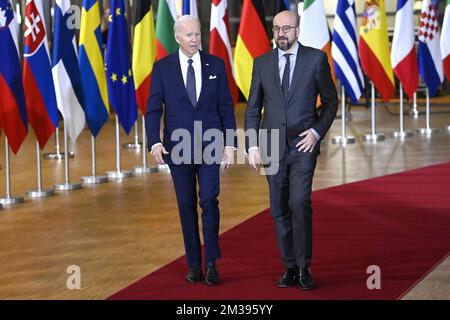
(165, 19)
(445, 41)
(314, 29)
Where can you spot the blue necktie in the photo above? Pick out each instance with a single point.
(190, 83)
(286, 76)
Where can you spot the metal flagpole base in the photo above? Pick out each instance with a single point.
(94, 179)
(402, 134)
(57, 156)
(428, 131)
(41, 193)
(369, 137)
(67, 186)
(142, 170)
(9, 201)
(133, 145)
(116, 175)
(413, 113)
(343, 140)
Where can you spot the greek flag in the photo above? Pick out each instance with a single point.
(344, 50)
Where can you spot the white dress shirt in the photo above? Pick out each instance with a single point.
(197, 65)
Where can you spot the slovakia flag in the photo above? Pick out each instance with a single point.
(37, 74)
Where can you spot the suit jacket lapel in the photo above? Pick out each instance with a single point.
(205, 77)
(179, 75)
(299, 66)
(276, 71)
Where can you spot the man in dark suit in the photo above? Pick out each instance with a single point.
(287, 82)
(193, 88)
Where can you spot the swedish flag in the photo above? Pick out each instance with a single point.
(121, 91)
(92, 67)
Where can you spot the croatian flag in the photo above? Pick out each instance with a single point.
(430, 60)
(37, 74)
(66, 72)
(13, 112)
(403, 53)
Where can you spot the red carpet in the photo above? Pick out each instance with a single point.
(399, 222)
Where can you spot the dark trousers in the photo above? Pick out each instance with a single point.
(290, 203)
(185, 179)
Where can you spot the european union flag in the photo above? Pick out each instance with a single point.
(121, 91)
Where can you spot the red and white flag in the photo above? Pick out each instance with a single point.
(445, 41)
(220, 44)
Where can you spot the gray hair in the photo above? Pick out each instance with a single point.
(182, 20)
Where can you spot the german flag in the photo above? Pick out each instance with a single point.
(252, 42)
(144, 51)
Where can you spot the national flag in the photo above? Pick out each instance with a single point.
(429, 52)
(122, 96)
(314, 30)
(13, 111)
(219, 43)
(40, 95)
(403, 52)
(344, 50)
(252, 42)
(92, 67)
(374, 48)
(144, 51)
(165, 19)
(190, 7)
(66, 72)
(445, 41)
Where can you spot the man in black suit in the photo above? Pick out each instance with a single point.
(287, 82)
(191, 89)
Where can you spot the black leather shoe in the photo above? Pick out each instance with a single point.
(289, 278)
(212, 276)
(194, 275)
(305, 280)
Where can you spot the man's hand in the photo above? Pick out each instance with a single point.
(228, 156)
(308, 143)
(158, 152)
(254, 158)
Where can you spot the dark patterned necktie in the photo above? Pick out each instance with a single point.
(286, 76)
(190, 83)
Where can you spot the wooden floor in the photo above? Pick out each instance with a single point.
(119, 232)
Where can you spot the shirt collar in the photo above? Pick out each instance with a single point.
(294, 51)
(184, 59)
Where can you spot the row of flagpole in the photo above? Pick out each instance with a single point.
(86, 45)
(350, 58)
(116, 174)
(373, 135)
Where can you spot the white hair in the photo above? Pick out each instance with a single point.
(182, 20)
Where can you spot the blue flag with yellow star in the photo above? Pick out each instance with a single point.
(121, 91)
